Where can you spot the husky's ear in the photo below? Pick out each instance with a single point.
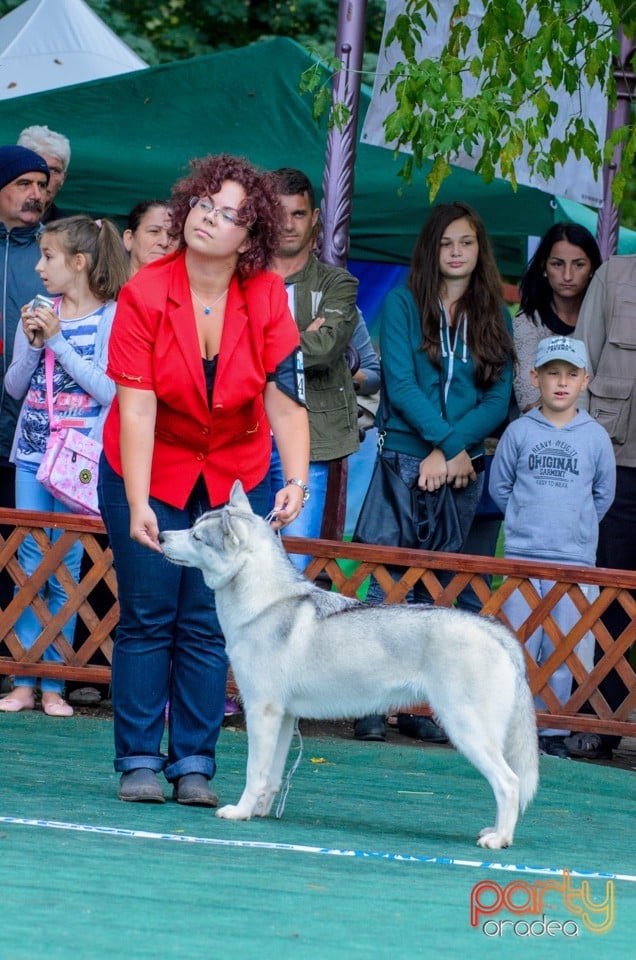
(228, 530)
(238, 497)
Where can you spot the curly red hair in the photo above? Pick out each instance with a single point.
(260, 210)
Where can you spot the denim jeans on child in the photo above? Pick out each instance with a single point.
(31, 495)
(168, 644)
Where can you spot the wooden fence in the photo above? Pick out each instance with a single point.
(335, 565)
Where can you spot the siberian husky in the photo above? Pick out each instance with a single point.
(299, 651)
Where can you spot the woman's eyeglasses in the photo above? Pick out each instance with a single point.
(226, 214)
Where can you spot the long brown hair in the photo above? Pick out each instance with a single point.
(99, 241)
(489, 342)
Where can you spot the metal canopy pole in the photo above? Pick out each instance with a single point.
(337, 183)
(608, 217)
(335, 210)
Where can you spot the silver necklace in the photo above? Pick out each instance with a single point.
(208, 309)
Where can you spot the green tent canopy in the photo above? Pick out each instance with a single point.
(577, 213)
(133, 135)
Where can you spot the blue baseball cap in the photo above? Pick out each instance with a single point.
(561, 348)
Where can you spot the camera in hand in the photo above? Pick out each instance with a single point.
(42, 301)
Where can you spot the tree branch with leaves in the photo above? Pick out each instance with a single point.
(491, 93)
(496, 99)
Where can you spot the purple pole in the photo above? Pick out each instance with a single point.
(608, 219)
(335, 210)
(337, 183)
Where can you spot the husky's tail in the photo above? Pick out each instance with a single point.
(522, 749)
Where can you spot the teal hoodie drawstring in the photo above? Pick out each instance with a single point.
(448, 348)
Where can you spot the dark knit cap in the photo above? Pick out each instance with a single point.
(14, 161)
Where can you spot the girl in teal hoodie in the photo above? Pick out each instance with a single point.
(447, 357)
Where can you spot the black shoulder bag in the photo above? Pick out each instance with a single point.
(394, 514)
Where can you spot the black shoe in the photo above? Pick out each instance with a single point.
(194, 790)
(85, 697)
(420, 728)
(140, 786)
(554, 747)
(589, 746)
(370, 728)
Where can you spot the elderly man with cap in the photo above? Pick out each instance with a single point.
(24, 180)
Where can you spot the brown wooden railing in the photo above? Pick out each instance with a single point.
(344, 567)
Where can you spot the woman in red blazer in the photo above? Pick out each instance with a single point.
(206, 358)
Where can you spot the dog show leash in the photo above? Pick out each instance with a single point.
(284, 790)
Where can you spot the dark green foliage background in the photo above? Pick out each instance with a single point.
(177, 29)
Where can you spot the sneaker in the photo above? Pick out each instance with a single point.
(420, 728)
(370, 728)
(232, 707)
(554, 747)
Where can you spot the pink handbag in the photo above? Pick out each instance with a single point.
(70, 464)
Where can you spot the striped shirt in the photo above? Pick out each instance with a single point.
(70, 401)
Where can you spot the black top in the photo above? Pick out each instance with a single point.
(209, 372)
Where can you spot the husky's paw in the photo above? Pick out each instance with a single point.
(489, 838)
(232, 812)
(482, 833)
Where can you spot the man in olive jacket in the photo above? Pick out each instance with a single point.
(322, 299)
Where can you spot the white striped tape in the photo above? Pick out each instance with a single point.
(304, 848)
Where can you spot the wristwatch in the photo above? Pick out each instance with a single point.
(303, 487)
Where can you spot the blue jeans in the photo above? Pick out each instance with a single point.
(309, 522)
(31, 495)
(168, 644)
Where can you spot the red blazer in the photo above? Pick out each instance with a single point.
(154, 346)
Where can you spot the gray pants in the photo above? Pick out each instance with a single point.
(540, 646)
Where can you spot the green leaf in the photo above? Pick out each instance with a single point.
(321, 104)
(436, 176)
(513, 108)
(475, 68)
(486, 168)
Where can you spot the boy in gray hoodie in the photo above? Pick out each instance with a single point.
(553, 477)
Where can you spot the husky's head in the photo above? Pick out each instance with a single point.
(219, 542)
